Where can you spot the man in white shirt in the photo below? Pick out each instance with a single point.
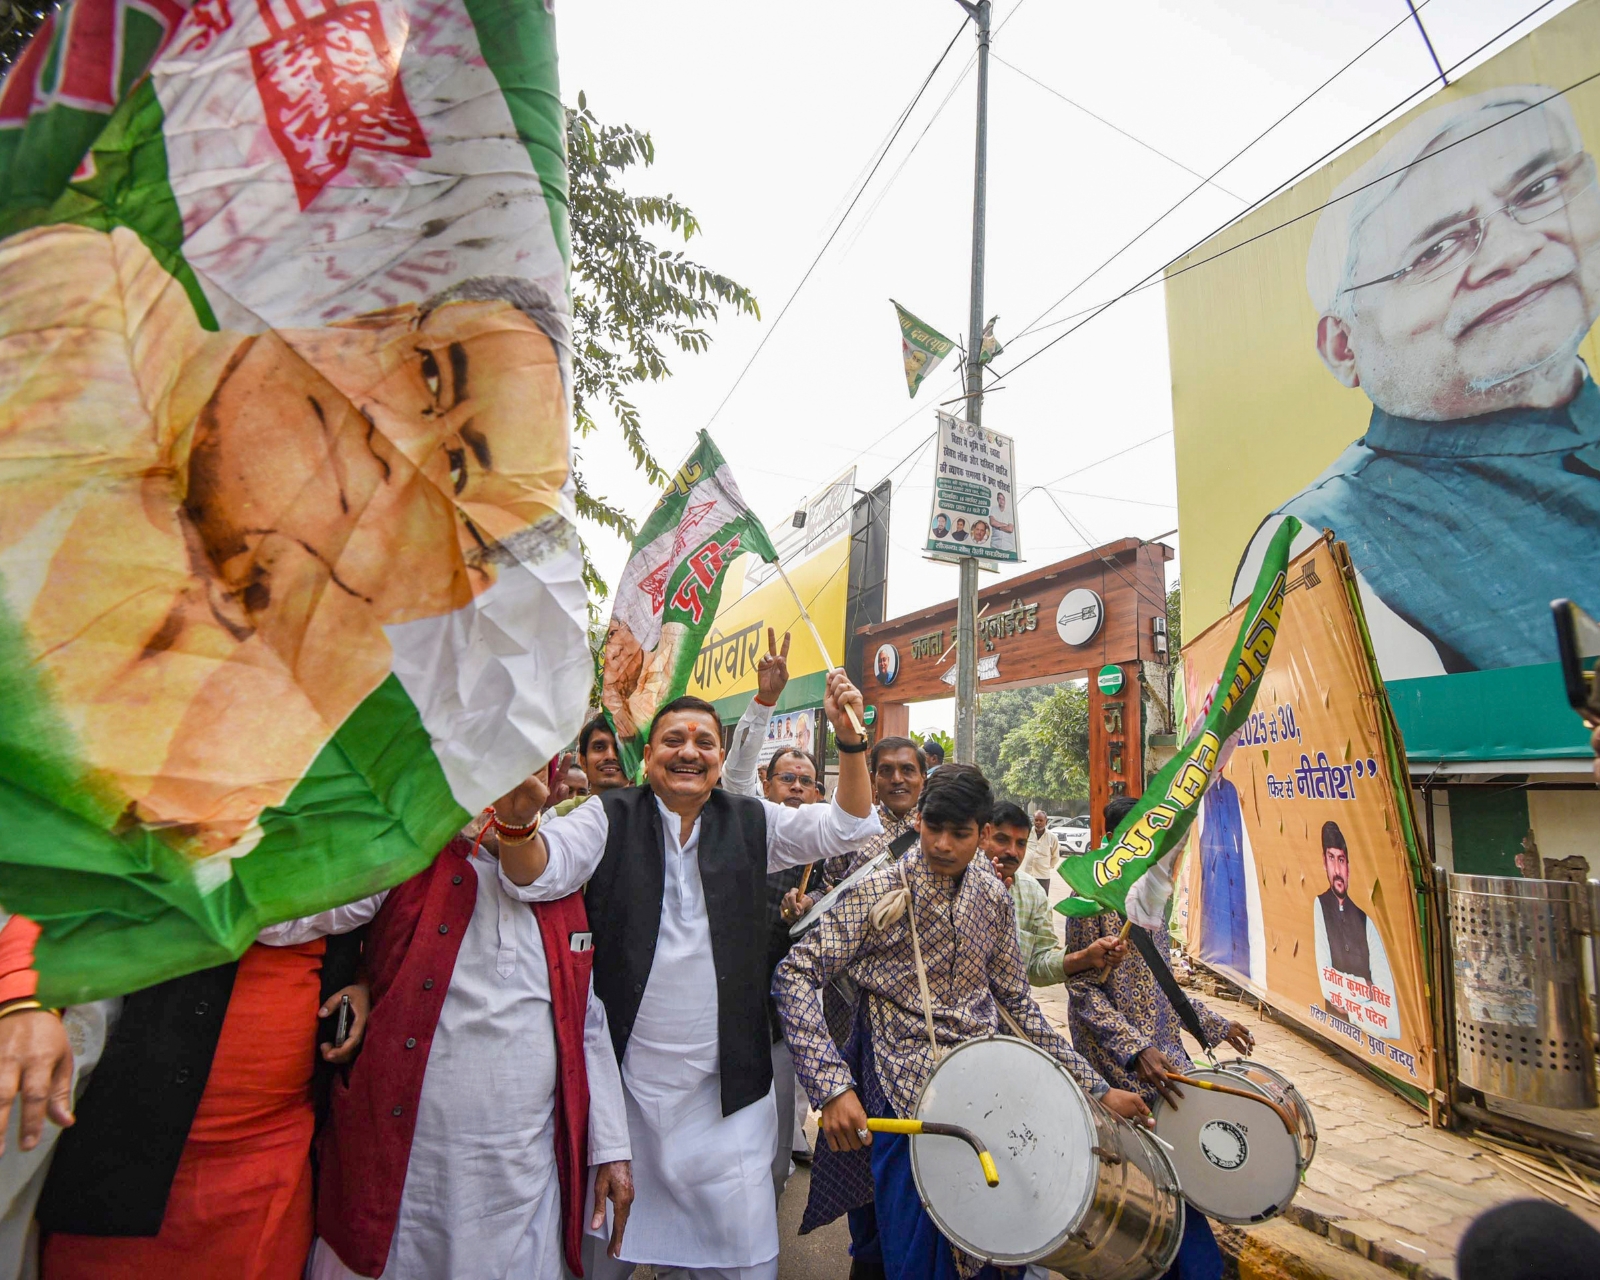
(1044, 851)
(677, 879)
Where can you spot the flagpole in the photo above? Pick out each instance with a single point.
(967, 592)
(816, 636)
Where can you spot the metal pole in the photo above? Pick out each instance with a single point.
(967, 593)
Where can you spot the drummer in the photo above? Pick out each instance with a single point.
(1046, 961)
(841, 1183)
(1124, 1024)
(965, 926)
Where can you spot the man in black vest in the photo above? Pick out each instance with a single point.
(1352, 966)
(677, 897)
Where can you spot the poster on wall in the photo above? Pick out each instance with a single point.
(790, 731)
(974, 493)
(1302, 868)
(1399, 349)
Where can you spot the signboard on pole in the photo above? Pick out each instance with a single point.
(1305, 884)
(974, 493)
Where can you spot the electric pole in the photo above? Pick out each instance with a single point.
(967, 592)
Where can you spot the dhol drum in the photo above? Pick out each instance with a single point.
(1236, 1159)
(1081, 1191)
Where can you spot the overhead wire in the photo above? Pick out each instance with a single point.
(1151, 277)
(838, 226)
(1224, 165)
(1116, 128)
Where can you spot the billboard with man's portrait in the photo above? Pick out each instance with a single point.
(1399, 349)
(1303, 870)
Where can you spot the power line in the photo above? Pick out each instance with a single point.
(860, 191)
(1235, 156)
(1149, 278)
(1116, 128)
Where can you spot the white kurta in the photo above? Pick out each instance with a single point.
(481, 1197)
(702, 1180)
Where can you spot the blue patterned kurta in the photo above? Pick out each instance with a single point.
(968, 931)
(836, 869)
(1116, 1015)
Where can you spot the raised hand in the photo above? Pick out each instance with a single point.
(772, 672)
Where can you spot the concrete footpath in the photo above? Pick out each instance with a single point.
(1384, 1188)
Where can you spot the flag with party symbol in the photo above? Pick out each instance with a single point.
(290, 582)
(669, 592)
(922, 348)
(1157, 823)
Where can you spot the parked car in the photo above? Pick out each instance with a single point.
(1073, 833)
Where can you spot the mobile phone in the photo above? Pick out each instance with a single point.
(1578, 642)
(341, 1026)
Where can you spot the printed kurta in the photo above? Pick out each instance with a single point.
(893, 828)
(1115, 1015)
(968, 932)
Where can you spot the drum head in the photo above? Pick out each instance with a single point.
(1036, 1123)
(1235, 1160)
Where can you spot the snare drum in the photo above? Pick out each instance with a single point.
(1081, 1190)
(1235, 1159)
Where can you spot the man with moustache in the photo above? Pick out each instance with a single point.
(676, 873)
(598, 761)
(1456, 274)
(1352, 965)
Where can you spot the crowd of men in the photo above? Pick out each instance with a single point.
(583, 1037)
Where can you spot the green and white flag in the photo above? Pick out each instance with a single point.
(289, 578)
(670, 589)
(922, 346)
(991, 346)
(1157, 824)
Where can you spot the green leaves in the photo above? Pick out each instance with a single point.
(1033, 745)
(633, 300)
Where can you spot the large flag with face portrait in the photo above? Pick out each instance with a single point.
(669, 593)
(289, 581)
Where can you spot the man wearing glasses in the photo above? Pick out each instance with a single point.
(1455, 275)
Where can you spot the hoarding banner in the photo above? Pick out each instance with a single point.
(670, 591)
(1399, 349)
(922, 348)
(289, 577)
(1303, 875)
(1156, 824)
(974, 493)
(725, 668)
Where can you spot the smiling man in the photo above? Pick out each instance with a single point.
(677, 899)
(1455, 275)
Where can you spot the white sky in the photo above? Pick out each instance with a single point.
(764, 119)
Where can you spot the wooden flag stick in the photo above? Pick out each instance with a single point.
(816, 636)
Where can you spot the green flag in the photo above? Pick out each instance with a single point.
(922, 346)
(290, 578)
(1158, 822)
(991, 346)
(669, 592)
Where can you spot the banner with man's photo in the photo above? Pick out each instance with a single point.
(1304, 879)
(1399, 348)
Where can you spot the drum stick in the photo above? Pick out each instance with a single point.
(816, 638)
(1283, 1112)
(933, 1128)
(805, 878)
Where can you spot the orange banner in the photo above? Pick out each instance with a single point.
(1303, 876)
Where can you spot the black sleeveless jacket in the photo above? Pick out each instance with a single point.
(624, 901)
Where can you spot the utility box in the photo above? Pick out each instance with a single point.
(1522, 1014)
